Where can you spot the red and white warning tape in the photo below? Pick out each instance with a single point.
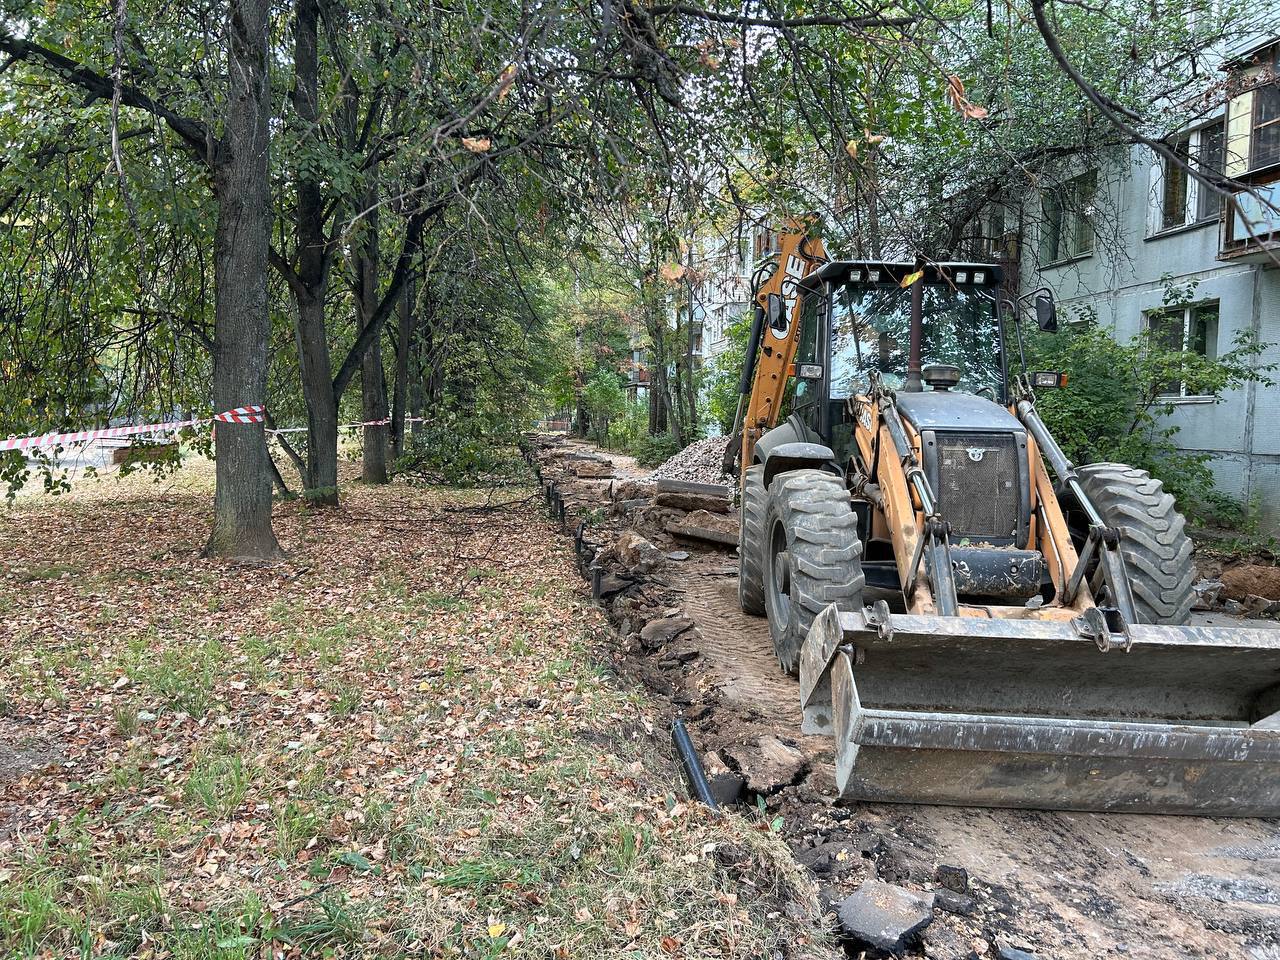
(251, 414)
(255, 414)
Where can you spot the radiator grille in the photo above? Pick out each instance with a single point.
(978, 481)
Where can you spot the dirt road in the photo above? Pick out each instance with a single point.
(1059, 885)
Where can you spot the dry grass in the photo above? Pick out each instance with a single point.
(398, 742)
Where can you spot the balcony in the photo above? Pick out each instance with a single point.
(1251, 229)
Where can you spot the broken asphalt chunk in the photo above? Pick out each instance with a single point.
(953, 878)
(885, 917)
(958, 903)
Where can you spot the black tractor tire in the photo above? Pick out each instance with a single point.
(813, 557)
(755, 499)
(1153, 538)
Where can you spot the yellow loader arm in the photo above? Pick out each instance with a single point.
(771, 350)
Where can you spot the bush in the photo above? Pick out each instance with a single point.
(625, 431)
(652, 451)
(1113, 407)
(604, 399)
(460, 456)
(722, 377)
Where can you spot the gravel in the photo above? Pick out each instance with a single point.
(700, 462)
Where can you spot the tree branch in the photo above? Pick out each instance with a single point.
(194, 133)
(781, 23)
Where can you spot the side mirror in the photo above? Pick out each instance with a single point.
(1046, 312)
(777, 312)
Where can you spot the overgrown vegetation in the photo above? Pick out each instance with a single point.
(1121, 399)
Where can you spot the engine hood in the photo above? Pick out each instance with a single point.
(949, 410)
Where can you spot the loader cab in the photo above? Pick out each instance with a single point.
(856, 323)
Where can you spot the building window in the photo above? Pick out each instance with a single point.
(1183, 200)
(1173, 202)
(1211, 158)
(1067, 231)
(1264, 145)
(1191, 329)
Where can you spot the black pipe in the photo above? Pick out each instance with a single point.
(696, 776)
(753, 349)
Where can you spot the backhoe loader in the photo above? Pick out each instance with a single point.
(973, 617)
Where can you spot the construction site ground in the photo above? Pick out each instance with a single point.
(1059, 885)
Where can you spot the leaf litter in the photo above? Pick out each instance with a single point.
(399, 740)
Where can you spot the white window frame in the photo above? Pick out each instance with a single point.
(1191, 213)
(1211, 348)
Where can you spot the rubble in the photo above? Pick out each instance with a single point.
(658, 633)
(702, 525)
(885, 917)
(1006, 952)
(1260, 606)
(960, 904)
(943, 943)
(593, 469)
(834, 857)
(700, 462)
(637, 553)
(953, 878)
(1208, 593)
(768, 763)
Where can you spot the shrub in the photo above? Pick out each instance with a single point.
(625, 431)
(724, 372)
(1115, 407)
(603, 398)
(651, 451)
(460, 455)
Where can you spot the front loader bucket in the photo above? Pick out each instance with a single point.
(1032, 713)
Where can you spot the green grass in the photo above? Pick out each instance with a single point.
(219, 784)
(183, 678)
(48, 571)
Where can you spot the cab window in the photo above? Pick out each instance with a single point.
(871, 331)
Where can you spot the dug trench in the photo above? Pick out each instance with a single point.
(983, 882)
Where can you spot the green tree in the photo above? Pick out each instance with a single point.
(603, 398)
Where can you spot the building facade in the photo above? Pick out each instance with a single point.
(1166, 230)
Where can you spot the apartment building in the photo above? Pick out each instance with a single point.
(1163, 228)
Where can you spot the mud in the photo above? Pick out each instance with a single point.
(1060, 885)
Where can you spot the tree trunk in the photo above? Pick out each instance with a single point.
(310, 289)
(691, 386)
(242, 325)
(417, 384)
(404, 342)
(321, 482)
(373, 380)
